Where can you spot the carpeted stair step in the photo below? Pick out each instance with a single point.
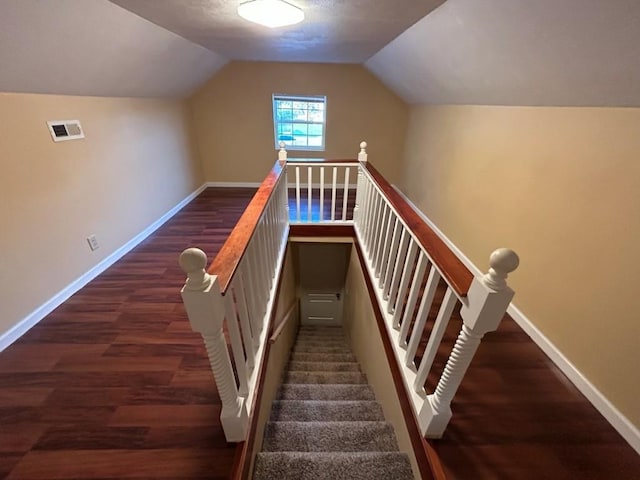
(294, 391)
(323, 342)
(329, 437)
(323, 328)
(326, 411)
(322, 357)
(332, 466)
(296, 366)
(324, 378)
(320, 349)
(318, 336)
(311, 345)
(325, 422)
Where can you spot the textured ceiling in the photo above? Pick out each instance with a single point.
(335, 31)
(510, 52)
(93, 47)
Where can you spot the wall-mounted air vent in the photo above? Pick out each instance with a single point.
(62, 130)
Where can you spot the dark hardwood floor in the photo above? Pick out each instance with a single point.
(113, 384)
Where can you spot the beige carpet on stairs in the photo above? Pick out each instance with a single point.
(325, 423)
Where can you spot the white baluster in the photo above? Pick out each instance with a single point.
(246, 320)
(242, 289)
(381, 239)
(439, 327)
(371, 198)
(309, 192)
(236, 346)
(321, 193)
(362, 156)
(298, 193)
(379, 205)
(389, 260)
(413, 299)
(421, 318)
(345, 197)
(282, 153)
(392, 291)
(262, 256)
(251, 284)
(404, 284)
(381, 262)
(368, 212)
(358, 205)
(205, 308)
(482, 311)
(333, 193)
(256, 276)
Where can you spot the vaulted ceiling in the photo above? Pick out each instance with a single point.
(506, 52)
(334, 31)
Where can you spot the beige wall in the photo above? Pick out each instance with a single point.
(133, 166)
(561, 186)
(233, 119)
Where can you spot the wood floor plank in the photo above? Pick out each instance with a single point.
(19, 437)
(119, 463)
(74, 363)
(87, 396)
(24, 396)
(93, 438)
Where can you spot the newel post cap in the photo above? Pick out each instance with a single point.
(282, 153)
(362, 156)
(502, 262)
(193, 262)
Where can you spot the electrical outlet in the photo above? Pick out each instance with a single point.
(92, 240)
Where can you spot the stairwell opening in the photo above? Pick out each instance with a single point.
(329, 404)
(321, 271)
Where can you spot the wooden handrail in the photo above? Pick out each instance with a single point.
(452, 269)
(225, 264)
(285, 320)
(322, 160)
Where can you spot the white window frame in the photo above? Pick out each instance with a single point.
(300, 98)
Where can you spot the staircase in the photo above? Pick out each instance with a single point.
(325, 422)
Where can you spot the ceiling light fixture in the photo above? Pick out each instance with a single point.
(271, 13)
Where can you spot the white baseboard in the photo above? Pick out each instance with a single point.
(233, 184)
(19, 329)
(621, 423)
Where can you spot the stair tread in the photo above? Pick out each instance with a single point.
(325, 422)
(301, 366)
(326, 411)
(302, 391)
(356, 436)
(320, 349)
(322, 357)
(332, 466)
(324, 377)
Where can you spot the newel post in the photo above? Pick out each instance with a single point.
(205, 308)
(362, 156)
(486, 303)
(282, 153)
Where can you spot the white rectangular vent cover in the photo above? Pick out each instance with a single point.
(62, 130)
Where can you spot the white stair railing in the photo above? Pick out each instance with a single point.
(406, 263)
(236, 297)
(322, 190)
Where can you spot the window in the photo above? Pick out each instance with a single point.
(299, 122)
